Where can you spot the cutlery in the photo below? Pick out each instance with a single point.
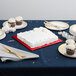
(8, 50)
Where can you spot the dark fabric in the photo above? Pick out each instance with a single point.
(49, 58)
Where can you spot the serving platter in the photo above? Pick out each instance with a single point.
(56, 25)
(32, 49)
(62, 50)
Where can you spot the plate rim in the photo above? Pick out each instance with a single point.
(74, 25)
(2, 32)
(56, 21)
(60, 51)
(7, 21)
(3, 35)
(59, 48)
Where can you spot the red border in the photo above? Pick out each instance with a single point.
(32, 49)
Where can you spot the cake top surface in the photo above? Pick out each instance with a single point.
(19, 18)
(11, 20)
(37, 34)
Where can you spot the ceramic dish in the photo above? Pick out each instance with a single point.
(2, 34)
(72, 29)
(62, 50)
(17, 27)
(56, 25)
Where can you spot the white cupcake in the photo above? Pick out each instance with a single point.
(19, 20)
(12, 22)
(71, 46)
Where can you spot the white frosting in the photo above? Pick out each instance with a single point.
(19, 18)
(37, 37)
(11, 20)
(71, 46)
(70, 41)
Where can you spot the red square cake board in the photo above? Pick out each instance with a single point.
(32, 49)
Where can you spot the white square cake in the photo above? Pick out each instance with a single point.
(37, 37)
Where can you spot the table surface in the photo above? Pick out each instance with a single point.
(49, 56)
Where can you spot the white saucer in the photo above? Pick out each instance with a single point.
(56, 25)
(17, 26)
(2, 34)
(62, 50)
(72, 29)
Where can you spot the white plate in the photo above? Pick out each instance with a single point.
(17, 26)
(72, 29)
(62, 50)
(2, 34)
(56, 25)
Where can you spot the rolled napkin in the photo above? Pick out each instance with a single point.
(5, 55)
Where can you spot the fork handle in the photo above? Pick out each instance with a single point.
(17, 54)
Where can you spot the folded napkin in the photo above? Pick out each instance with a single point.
(9, 56)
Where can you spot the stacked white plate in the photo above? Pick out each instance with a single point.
(2, 34)
(72, 29)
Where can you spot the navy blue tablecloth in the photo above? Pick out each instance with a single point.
(49, 56)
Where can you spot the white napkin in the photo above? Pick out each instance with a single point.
(8, 56)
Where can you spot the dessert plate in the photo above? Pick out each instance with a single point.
(62, 50)
(2, 34)
(32, 49)
(72, 29)
(17, 26)
(56, 25)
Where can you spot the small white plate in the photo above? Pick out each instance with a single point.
(2, 34)
(72, 29)
(56, 25)
(62, 50)
(17, 26)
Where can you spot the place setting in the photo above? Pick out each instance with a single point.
(13, 24)
(14, 54)
(36, 38)
(56, 25)
(68, 48)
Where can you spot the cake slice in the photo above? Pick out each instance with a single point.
(37, 37)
